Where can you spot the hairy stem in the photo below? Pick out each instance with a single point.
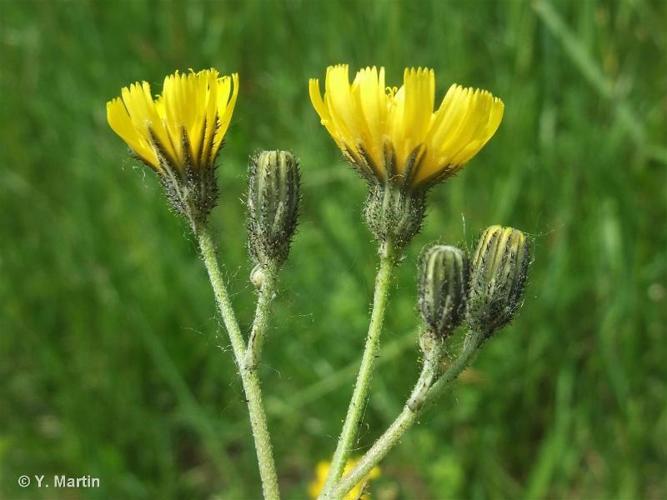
(265, 296)
(420, 396)
(249, 378)
(362, 385)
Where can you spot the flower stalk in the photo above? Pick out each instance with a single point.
(424, 392)
(362, 386)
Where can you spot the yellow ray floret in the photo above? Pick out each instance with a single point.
(395, 134)
(185, 124)
(356, 493)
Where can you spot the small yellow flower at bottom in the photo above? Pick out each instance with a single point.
(356, 493)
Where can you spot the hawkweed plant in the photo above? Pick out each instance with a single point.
(402, 146)
(179, 135)
(396, 140)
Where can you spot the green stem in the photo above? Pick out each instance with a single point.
(362, 385)
(422, 394)
(259, 325)
(249, 378)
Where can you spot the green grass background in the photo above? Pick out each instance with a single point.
(109, 364)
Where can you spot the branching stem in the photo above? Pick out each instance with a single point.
(422, 394)
(265, 297)
(249, 378)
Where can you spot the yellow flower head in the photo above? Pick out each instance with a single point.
(183, 127)
(394, 134)
(356, 493)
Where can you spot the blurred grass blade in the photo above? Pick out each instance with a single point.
(592, 72)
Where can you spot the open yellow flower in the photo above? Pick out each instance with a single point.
(356, 493)
(183, 127)
(394, 134)
(179, 133)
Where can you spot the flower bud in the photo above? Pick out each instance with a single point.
(393, 214)
(273, 203)
(443, 284)
(497, 279)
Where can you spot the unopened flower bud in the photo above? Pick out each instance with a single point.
(393, 214)
(273, 204)
(443, 283)
(497, 279)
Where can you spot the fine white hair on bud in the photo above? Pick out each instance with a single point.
(192, 192)
(443, 284)
(394, 215)
(499, 270)
(273, 205)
